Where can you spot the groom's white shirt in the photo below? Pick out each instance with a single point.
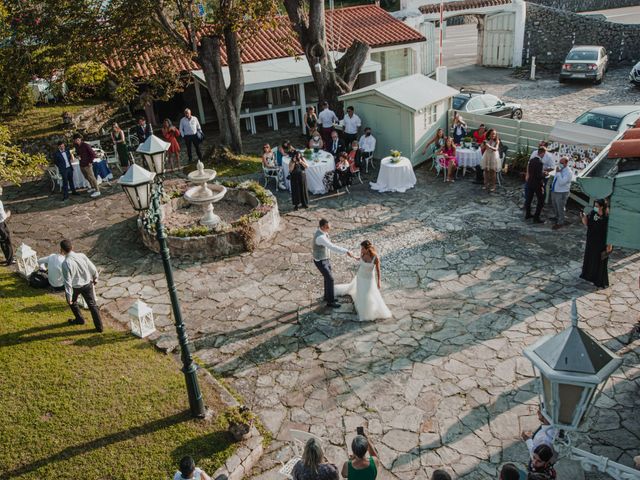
(322, 240)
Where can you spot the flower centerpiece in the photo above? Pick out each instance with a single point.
(395, 156)
(467, 141)
(307, 153)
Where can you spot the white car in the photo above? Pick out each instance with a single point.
(634, 75)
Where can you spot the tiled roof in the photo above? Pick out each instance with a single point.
(463, 5)
(367, 23)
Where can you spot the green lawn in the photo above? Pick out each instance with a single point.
(42, 121)
(77, 404)
(227, 164)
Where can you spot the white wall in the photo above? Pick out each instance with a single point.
(422, 125)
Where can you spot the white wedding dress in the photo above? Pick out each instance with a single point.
(364, 291)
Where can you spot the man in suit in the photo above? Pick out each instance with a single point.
(535, 185)
(143, 129)
(63, 158)
(336, 146)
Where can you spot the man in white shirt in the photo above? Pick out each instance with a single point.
(544, 435)
(367, 144)
(352, 124)
(560, 186)
(321, 248)
(326, 119)
(191, 131)
(80, 275)
(53, 264)
(5, 234)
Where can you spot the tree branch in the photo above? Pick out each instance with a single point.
(164, 22)
(349, 66)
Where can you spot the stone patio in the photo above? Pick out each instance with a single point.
(442, 384)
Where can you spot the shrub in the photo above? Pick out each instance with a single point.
(87, 79)
(196, 231)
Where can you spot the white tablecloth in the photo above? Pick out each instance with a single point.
(321, 163)
(395, 177)
(468, 157)
(78, 179)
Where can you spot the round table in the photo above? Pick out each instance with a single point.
(319, 164)
(395, 177)
(100, 170)
(468, 157)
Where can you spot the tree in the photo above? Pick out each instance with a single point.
(308, 20)
(16, 165)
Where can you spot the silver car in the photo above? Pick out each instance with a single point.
(585, 62)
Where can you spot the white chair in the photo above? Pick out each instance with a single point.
(55, 177)
(367, 159)
(113, 160)
(438, 166)
(271, 172)
(298, 441)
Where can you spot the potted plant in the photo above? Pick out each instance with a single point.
(519, 161)
(240, 420)
(467, 141)
(307, 153)
(395, 156)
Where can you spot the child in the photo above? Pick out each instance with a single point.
(189, 471)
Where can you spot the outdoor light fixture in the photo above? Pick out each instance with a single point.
(317, 67)
(141, 319)
(27, 260)
(137, 183)
(572, 369)
(153, 152)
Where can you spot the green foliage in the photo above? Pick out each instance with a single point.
(261, 193)
(78, 404)
(16, 165)
(195, 231)
(520, 159)
(87, 79)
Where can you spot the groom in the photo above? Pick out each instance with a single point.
(321, 247)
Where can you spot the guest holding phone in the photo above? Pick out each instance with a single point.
(358, 467)
(299, 192)
(596, 252)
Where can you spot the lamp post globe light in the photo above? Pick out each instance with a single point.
(572, 369)
(144, 190)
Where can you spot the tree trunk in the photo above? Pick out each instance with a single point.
(332, 81)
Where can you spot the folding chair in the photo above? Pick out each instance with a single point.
(298, 441)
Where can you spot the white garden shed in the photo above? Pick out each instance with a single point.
(403, 113)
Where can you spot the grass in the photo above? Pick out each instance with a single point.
(77, 404)
(228, 164)
(43, 121)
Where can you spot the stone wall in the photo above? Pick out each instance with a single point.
(586, 5)
(550, 33)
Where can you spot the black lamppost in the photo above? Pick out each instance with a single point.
(144, 189)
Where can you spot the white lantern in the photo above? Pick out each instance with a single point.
(136, 183)
(141, 317)
(153, 151)
(27, 260)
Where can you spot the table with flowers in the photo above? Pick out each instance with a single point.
(320, 163)
(395, 175)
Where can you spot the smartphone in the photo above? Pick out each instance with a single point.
(360, 431)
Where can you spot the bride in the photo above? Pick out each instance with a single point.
(365, 287)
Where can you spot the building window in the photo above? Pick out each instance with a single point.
(429, 116)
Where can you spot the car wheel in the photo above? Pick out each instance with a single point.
(598, 81)
(516, 114)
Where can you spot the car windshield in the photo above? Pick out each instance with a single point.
(459, 102)
(582, 55)
(599, 120)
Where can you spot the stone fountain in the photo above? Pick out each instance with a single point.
(204, 195)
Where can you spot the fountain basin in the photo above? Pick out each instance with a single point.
(205, 194)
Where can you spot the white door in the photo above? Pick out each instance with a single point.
(429, 49)
(499, 34)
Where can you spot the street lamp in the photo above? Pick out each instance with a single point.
(144, 190)
(572, 369)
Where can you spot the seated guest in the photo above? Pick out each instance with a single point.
(449, 161)
(358, 467)
(283, 151)
(342, 174)
(459, 128)
(542, 461)
(53, 266)
(268, 158)
(315, 142)
(336, 146)
(367, 145)
(480, 135)
(355, 157)
(313, 465)
(189, 471)
(437, 141)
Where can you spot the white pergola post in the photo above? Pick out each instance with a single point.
(518, 34)
(201, 117)
(303, 104)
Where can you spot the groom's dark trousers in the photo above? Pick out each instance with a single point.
(325, 269)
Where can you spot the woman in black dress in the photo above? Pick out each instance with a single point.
(299, 193)
(596, 252)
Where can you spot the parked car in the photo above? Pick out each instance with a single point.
(613, 117)
(634, 75)
(480, 102)
(585, 62)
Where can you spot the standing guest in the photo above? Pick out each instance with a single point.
(342, 173)
(63, 159)
(355, 157)
(191, 131)
(171, 134)
(87, 156)
(80, 275)
(596, 251)
(480, 135)
(459, 128)
(437, 141)
(326, 119)
(534, 179)
(5, 234)
(189, 471)
(336, 147)
(120, 145)
(352, 124)
(310, 121)
(548, 163)
(490, 160)
(448, 153)
(542, 461)
(313, 465)
(545, 434)
(315, 142)
(440, 475)
(53, 264)
(358, 467)
(560, 187)
(299, 193)
(143, 129)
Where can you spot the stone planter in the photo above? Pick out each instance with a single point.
(240, 431)
(217, 244)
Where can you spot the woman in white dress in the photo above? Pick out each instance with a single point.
(365, 287)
